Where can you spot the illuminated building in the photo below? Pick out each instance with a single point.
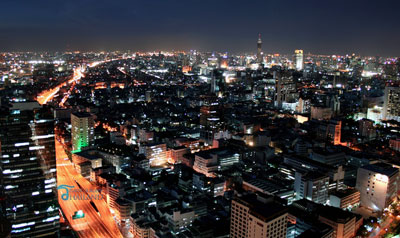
(209, 161)
(306, 215)
(84, 169)
(375, 114)
(210, 121)
(312, 186)
(345, 199)
(259, 49)
(177, 153)
(145, 136)
(140, 226)
(205, 163)
(179, 219)
(123, 211)
(224, 62)
(335, 173)
(321, 113)
(155, 153)
(28, 167)
(378, 185)
(329, 156)
(82, 131)
(391, 109)
(344, 223)
(285, 90)
(212, 186)
(366, 129)
(254, 217)
(299, 59)
(331, 131)
(303, 106)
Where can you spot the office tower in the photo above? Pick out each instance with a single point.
(28, 170)
(82, 130)
(299, 59)
(211, 120)
(285, 90)
(259, 48)
(255, 217)
(313, 186)
(378, 185)
(391, 108)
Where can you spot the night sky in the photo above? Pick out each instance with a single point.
(367, 27)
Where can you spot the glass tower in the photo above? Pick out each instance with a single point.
(28, 170)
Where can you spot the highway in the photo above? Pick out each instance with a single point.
(47, 95)
(93, 224)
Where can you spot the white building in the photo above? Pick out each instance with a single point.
(299, 59)
(391, 109)
(313, 186)
(82, 130)
(378, 185)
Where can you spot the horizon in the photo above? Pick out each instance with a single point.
(339, 27)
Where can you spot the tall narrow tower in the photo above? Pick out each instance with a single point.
(259, 46)
(299, 59)
(82, 130)
(28, 170)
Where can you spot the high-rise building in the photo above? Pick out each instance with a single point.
(259, 49)
(285, 90)
(211, 121)
(391, 109)
(253, 216)
(28, 170)
(378, 185)
(82, 130)
(299, 59)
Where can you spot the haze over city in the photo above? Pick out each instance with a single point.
(320, 27)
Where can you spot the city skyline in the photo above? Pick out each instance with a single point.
(199, 119)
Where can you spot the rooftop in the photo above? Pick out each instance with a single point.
(382, 168)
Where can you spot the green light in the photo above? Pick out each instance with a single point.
(81, 143)
(78, 214)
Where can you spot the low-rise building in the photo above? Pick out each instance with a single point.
(345, 199)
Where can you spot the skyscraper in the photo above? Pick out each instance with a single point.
(391, 109)
(259, 48)
(82, 131)
(299, 59)
(28, 170)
